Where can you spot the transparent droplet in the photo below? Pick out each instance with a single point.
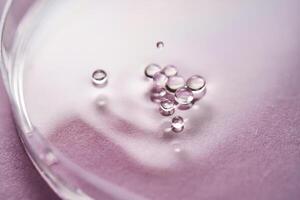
(99, 77)
(174, 83)
(169, 70)
(152, 69)
(167, 107)
(177, 124)
(160, 79)
(157, 94)
(160, 44)
(199, 94)
(184, 96)
(196, 83)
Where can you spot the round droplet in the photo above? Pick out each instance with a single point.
(174, 83)
(177, 124)
(152, 69)
(160, 44)
(167, 107)
(157, 94)
(184, 96)
(169, 70)
(99, 77)
(196, 82)
(160, 79)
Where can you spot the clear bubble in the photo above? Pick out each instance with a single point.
(152, 69)
(170, 70)
(160, 79)
(196, 83)
(99, 77)
(160, 44)
(177, 124)
(174, 83)
(184, 96)
(167, 107)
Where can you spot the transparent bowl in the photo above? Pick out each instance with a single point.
(92, 138)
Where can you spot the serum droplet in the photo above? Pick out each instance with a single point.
(167, 107)
(174, 83)
(151, 70)
(99, 77)
(184, 96)
(169, 70)
(177, 124)
(157, 94)
(196, 83)
(160, 79)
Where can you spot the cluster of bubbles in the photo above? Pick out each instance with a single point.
(172, 91)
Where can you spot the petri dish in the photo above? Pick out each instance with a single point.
(91, 120)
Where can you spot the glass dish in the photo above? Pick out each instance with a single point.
(108, 139)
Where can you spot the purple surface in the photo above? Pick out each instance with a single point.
(18, 177)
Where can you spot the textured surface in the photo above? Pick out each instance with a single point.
(18, 178)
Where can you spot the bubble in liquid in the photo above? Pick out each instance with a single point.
(160, 79)
(167, 107)
(184, 96)
(174, 83)
(177, 124)
(152, 69)
(160, 44)
(99, 77)
(196, 83)
(170, 70)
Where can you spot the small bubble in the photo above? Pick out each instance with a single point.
(184, 96)
(177, 124)
(99, 77)
(152, 69)
(170, 70)
(160, 79)
(174, 83)
(196, 83)
(160, 44)
(167, 107)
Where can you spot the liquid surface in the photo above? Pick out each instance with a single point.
(116, 131)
